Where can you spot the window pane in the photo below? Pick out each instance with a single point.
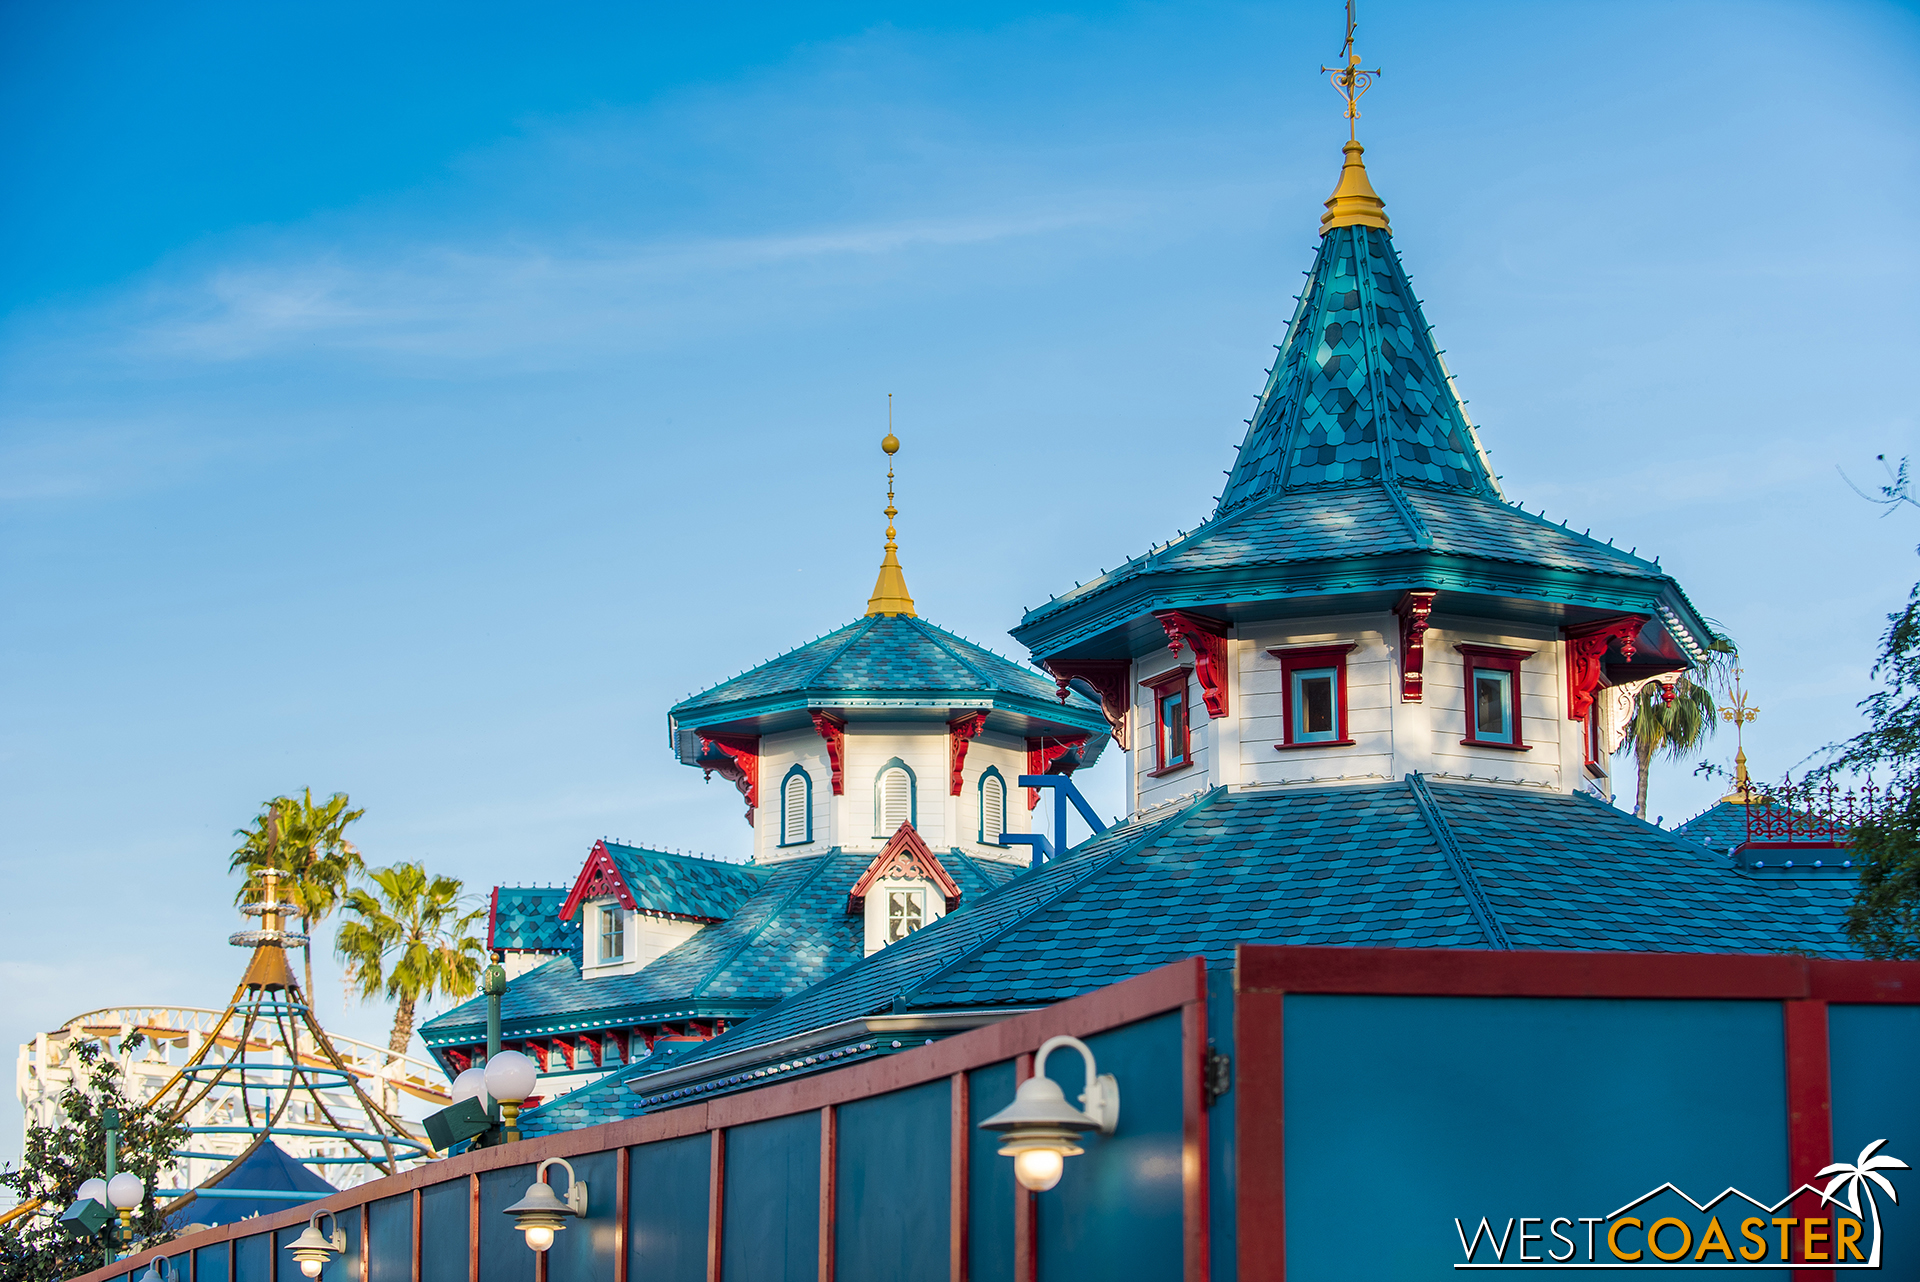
(903, 914)
(1492, 705)
(1173, 728)
(1315, 712)
(612, 934)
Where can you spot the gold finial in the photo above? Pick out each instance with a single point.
(890, 595)
(1354, 202)
(1739, 713)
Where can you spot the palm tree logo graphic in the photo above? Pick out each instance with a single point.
(1863, 1173)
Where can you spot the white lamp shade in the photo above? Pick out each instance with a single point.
(96, 1189)
(510, 1076)
(125, 1191)
(471, 1084)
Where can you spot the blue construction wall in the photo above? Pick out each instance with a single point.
(1875, 1054)
(1406, 1112)
(504, 1256)
(771, 1229)
(443, 1232)
(210, 1265)
(893, 1205)
(990, 1183)
(667, 1217)
(586, 1249)
(1116, 1213)
(1222, 1219)
(390, 1239)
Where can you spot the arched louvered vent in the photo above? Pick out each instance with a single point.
(793, 810)
(896, 800)
(993, 809)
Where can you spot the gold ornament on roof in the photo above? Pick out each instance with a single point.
(890, 596)
(1740, 713)
(1354, 203)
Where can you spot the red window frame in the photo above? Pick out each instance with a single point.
(1294, 658)
(1164, 685)
(1493, 658)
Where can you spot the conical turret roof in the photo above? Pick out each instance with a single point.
(1359, 392)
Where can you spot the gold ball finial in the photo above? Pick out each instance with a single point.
(891, 444)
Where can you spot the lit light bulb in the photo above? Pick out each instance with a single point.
(1038, 1169)
(311, 1268)
(539, 1237)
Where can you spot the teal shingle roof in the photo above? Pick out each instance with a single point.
(792, 932)
(685, 885)
(881, 656)
(526, 919)
(1357, 865)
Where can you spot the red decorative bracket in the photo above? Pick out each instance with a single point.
(960, 731)
(739, 761)
(1413, 609)
(904, 856)
(1052, 755)
(600, 879)
(1108, 677)
(1207, 638)
(834, 730)
(1587, 645)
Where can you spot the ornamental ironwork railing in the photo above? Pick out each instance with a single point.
(1811, 812)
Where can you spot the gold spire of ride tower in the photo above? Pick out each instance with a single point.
(1354, 202)
(1740, 714)
(890, 595)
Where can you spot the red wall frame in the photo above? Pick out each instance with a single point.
(1495, 659)
(1164, 686)
(1293, 659)
(1181, 986)
(1265, 975)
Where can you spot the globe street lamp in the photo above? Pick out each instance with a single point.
(510, 1078)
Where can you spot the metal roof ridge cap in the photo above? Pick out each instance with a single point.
(1476, 894)
(868, 621)
(825, 858)
(1417, 528)
(1089, 868)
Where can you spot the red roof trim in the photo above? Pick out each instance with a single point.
(599, 879)
(904, 855)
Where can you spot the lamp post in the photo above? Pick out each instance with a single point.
(509, 1079)
(1042, 1129)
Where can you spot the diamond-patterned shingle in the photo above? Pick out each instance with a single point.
(685, 885)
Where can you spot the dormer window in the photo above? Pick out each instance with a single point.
(1493, 696)
(613, 934)
(1314, 682)
(1172, 737)
(906, 913)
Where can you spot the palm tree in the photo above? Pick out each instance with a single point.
(307, 844)
(1671, 722)
(1855, 1175)
(410, 939)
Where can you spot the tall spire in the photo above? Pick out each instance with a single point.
(1354, 202)
(890, 595)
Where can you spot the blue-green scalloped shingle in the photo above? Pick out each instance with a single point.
(685, 885)
(527, 919)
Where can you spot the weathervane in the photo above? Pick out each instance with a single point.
(1740, 714)
(1349, 81)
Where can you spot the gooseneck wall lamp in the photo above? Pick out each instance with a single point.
(540, 1214)
(1041, 1129)
(314, 1249)
(161, 1270)
(510, 1078)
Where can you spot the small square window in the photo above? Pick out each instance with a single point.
(1493, 714)
(1172, 736)
(906, 913)
(1314, 685)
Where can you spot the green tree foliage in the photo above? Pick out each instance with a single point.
(1884, 918)
(410, 938)
(58, 1159)
(307, 844)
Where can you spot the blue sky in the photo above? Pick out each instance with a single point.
(417, 403)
